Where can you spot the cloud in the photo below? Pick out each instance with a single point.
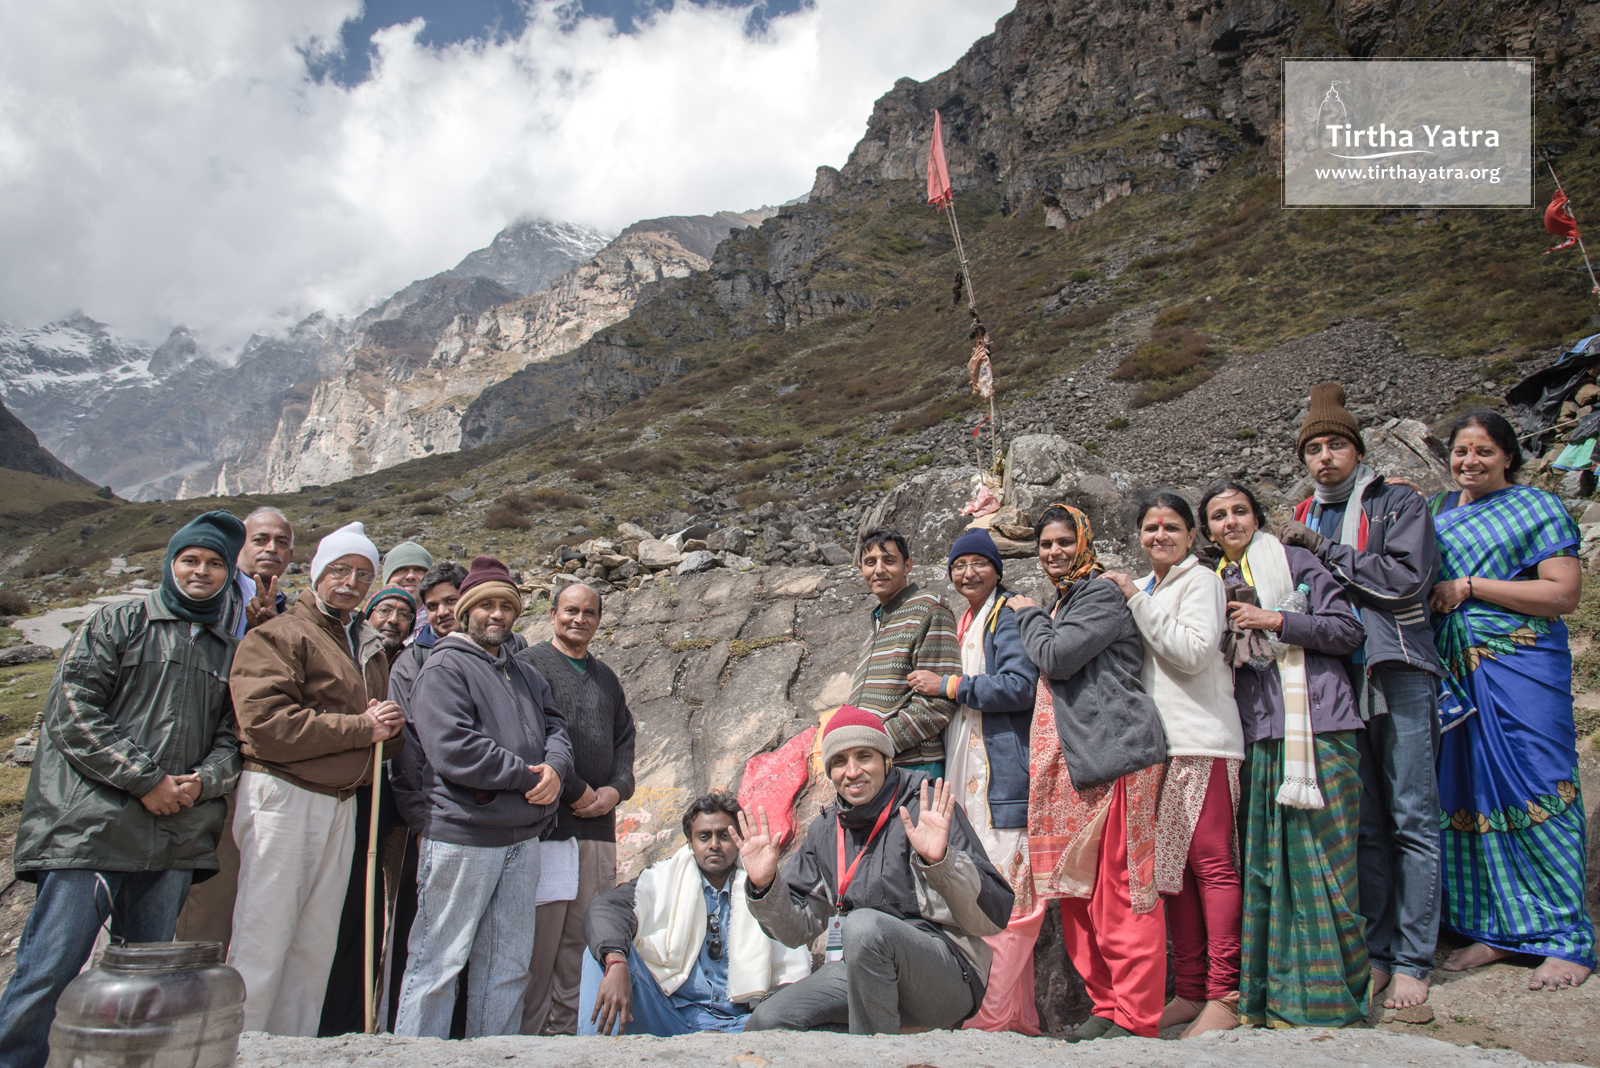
(172, 161)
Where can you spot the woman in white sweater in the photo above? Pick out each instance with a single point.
(1181, 612)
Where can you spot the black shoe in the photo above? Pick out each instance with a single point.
(1116, 1031)
(1093, 1027)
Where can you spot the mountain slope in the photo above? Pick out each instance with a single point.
(20, 451)
(526, 255)
(409, 370)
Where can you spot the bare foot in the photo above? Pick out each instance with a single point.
(1474, 956)
(1406, 992)
(1557, 974)
(1179, 1011)
(1380, 981)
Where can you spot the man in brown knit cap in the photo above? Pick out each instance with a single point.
(1378, 541)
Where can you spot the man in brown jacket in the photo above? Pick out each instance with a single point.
(310, 688)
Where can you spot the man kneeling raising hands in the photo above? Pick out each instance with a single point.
(905, 903)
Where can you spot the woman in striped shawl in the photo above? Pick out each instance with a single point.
(1508, 775)
(1303, 960)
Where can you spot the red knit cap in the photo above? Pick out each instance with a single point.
(487, 577)
(854, 728)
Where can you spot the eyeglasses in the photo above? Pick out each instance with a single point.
(389, 610)
(714, 936)
(973, 566)
(340, 572)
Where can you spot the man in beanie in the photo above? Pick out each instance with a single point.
(1378, 540)
(906, 918)
(912, 630)
(405, 566)
(498, 750)
(391, 612)
(311, 690)
(600, 725)
(139, 692)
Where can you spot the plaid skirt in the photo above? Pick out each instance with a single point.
(1304, 950)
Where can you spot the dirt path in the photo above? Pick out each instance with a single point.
(48, 629)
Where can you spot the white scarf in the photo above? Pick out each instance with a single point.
(1274, 582)
(671, 909)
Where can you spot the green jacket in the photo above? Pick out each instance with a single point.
(135, 697)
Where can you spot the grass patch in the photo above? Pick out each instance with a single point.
(588, 473)
(646, 461)
(14, 603)
(421, 498)
(1174, 361)
(501, 517)
(755, 450)
(429, 509)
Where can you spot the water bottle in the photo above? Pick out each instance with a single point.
(1298, 601)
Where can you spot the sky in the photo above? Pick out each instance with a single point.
(236, 166)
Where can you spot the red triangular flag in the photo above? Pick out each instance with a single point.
(1559, 221)
(939, 191)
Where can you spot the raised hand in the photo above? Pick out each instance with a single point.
(757, 849)
(930, 835)
(264, 605)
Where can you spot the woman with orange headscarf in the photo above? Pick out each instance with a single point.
(1097, 754)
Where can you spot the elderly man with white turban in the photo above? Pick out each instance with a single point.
(310, 687)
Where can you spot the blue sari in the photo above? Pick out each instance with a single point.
(1512, 820)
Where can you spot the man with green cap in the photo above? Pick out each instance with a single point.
(404, 566)
(142, 688)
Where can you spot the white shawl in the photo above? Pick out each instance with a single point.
(671, 909)
(1274, 583)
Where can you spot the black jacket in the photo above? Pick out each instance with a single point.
(961, 899)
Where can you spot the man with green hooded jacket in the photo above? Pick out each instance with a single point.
(126, 799)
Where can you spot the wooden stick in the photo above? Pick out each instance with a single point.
(372, 886)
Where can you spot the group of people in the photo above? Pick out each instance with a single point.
(1296, 750)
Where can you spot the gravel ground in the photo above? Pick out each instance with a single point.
(969, 1049)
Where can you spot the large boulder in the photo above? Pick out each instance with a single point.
(926, 508)
(1043, 469)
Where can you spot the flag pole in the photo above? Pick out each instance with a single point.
(1592, 279)
(972, 306)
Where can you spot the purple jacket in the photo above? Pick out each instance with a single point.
(1328, 632)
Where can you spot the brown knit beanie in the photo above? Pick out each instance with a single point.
(1328, 416)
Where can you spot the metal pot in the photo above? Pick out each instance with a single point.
(151, 1005)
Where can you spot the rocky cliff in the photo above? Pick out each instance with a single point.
(405, 373)
(1068, 106)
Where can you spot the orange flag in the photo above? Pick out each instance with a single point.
(939, 191)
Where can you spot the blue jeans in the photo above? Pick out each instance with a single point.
(652, 1009)
(67, 915)
(1398, 862)
(474, 904)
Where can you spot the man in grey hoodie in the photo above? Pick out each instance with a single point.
(499, 751)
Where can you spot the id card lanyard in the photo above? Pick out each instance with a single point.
(835, 950)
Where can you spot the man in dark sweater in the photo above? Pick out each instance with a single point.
(601, 729)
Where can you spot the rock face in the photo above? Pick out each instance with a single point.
(1032, 106)
(412, 369)
(1043, 469)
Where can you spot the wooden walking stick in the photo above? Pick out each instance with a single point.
(372, 887)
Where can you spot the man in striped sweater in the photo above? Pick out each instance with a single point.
(911, 630)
